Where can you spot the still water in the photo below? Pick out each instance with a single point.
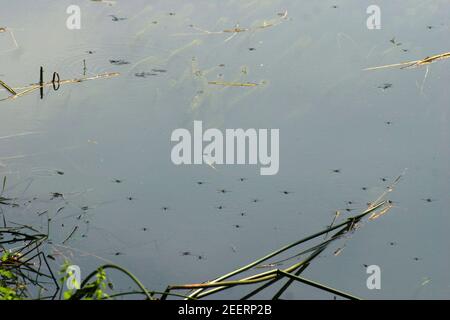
(345, 134)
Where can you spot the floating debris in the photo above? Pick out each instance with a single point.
(108, 2)
(234, 84)
(4, 85)
(338, 251)
(415, 63)
(385, 86)
(115, 18)
(118, 62)
(378, 214)
(144, 74)
(56, 195)
(237, 29)
(70, 235)
(394, 42)
(28, 89)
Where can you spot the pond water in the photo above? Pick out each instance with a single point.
(345, 135)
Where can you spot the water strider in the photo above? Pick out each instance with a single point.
(115, 18)
(56, 195)
(385, 86)
(144, 74)
(119, 62)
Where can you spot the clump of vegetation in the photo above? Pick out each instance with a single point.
(24, 268)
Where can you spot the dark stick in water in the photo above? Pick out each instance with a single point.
(41, 82)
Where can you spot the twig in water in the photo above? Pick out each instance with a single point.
(33, 87)
(70, 235)
(416, 63)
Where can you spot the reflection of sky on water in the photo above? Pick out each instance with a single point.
(330, 114)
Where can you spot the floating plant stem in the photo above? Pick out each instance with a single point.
(415, 63)
(70, 235)
(318, 285)
(4, 85)
(234, 84)
(33, 87)
(147, 293)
